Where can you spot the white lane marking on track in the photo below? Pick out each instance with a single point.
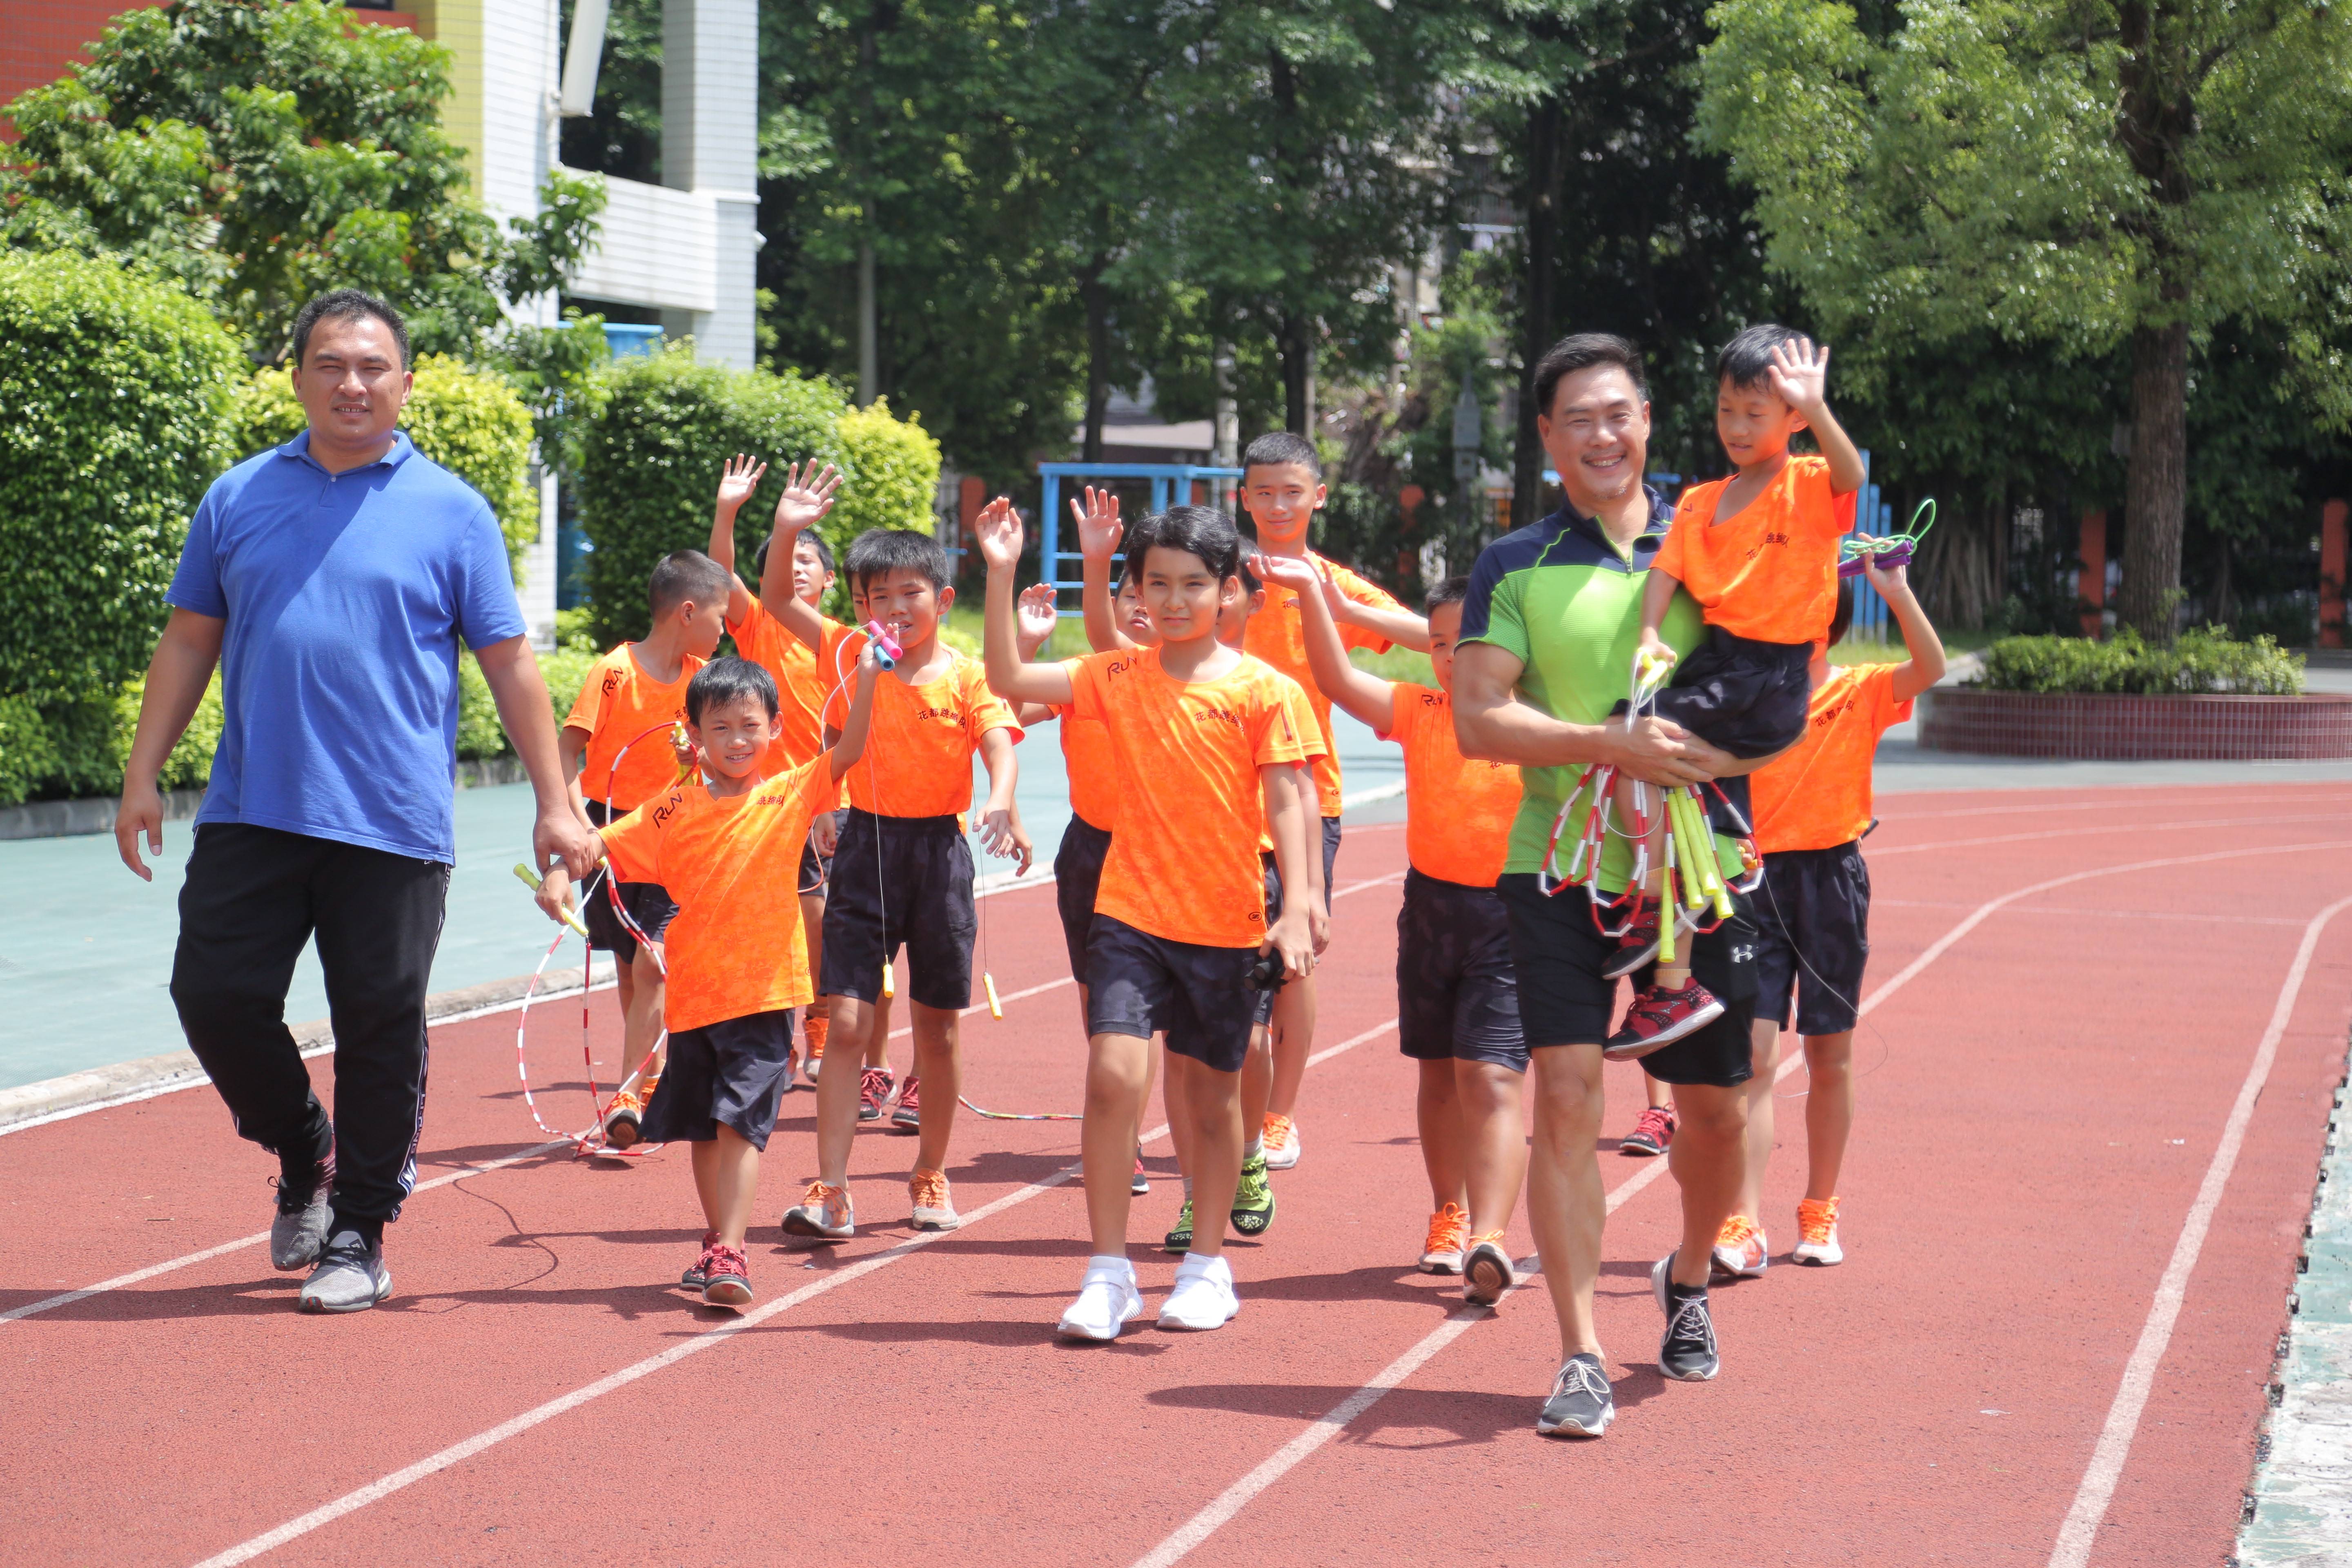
(1234, 1499)
(2069, 912)
(121, 1281)
(2080, 1532)
(352, 1501)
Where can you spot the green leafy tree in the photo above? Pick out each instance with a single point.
(260, 152)
(2091, 175)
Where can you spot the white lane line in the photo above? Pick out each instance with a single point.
(1230, 1501)
(457, 1453)
(2086, 832)
(2080, 1532)
(140, 1276)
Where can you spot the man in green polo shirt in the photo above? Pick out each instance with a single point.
(1548, 638)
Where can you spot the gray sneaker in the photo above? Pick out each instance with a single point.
(300, 1227)
(1580, 1405)
(350, 1275)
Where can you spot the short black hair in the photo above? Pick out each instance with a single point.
(1281, 446)
(684, 574)
(878, 552)
(1842, 621)
(725, 680)
(809, 537)
(1582, 351)
(1202, 532)
(1250, 584)
(1452, 591)
(347, 305)
(1746, 360)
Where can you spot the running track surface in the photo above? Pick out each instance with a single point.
(2043, 1101)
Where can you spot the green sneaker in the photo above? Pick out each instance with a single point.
(1253, 1198)
(1181, 1238)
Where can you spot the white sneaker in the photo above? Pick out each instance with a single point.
(1107, 1300)
(1204, 1298)
(1280, 1136)
(1817, 1226)
(1740, 1251)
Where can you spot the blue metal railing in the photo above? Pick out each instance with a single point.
(1164, 477)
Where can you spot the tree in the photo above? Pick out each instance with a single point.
(2087, 175)
(259, 153)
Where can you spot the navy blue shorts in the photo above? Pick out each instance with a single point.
(899, 880)
(1812, 937)
(1330, 858)
(1749, 698)
(1457, 990)
(1141, 985)
(1077, 876)
(1563, 1000)
(731, 1072)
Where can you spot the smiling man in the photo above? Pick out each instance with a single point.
(1548, 631)
(332, 580)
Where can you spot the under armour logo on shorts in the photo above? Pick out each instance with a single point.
(1743, 953)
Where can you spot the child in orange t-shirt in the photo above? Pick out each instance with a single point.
(1812, 915)
(1204, 740)
(630, 698)
(726, 847)
(1458, 990)
(762, 638)
(1759, 552)
(902, 871)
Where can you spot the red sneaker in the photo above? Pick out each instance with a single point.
(727, 1278)
(1640, 944)
(1660, 1017)
(697, 1277)
(1653, 1132)
(873, 1093)
(909, 1117)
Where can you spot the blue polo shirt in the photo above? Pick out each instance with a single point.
(345, 596)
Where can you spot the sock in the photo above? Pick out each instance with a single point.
(1188, 1189)
(1252, 1149)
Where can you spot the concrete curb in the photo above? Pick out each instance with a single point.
(94, 1088)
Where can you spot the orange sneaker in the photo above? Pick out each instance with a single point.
(1740, 1248)
(1817, 1235)
(624, 1119)
(825, 1214)
(934, 1210)
(1448, 1227)
(1280, 1136)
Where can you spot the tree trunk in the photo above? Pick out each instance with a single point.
(1297, 346)
(870, 344)
(1541, 223)
(2156, 487)
(1097, 299)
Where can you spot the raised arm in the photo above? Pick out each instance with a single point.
(1399, 625)
(998, 531)
(808, 496)
(1098, 535)
(1925, 665)
(1801, 374)
(1366, 696)
(177, 678)
(736, 483)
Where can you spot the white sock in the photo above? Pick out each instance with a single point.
(1188, 1189)
(1254, 1147)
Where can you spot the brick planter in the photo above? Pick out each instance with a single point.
(2135, 729)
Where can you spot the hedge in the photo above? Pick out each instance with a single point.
(652, 449)
(471, 423)
(113, 393)
(2204, 660)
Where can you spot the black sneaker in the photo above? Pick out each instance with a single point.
(1687, 1350)
(1580, 1405)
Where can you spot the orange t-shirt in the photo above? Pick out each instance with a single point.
(1816, 794)
(1277, 635)
(918, 760)
(1183, 861)
(618, 703)
(1769, 571)
(737, 946)
(1093, 772)
(1458, 813)
(800, 690)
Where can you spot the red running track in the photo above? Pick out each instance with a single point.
(2043, 1095)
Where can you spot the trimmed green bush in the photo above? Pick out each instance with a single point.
(565, 671)
(2204, 660)
(470, 423)
(113, 394)
(28, 755)
(190, 765)
(891, 470)
(650, 460)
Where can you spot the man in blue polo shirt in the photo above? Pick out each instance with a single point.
(331, 580)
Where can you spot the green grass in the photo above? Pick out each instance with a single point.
(1891, 651)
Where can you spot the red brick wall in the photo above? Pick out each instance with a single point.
(2135, 729)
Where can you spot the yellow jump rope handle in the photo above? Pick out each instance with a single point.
(1666, 907)
(1693, 855)
(988, 983)
(890, 983)
(530, 880)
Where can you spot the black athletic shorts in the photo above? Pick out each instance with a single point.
(1330, 858)
(649, 904)
(914, 887)
(732, 1071)
(1749, 698)
(1140, 985)
(1563, 1000)
(1077, 876)
(1457, 993)
(1262, 1009)
(1813, 935)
